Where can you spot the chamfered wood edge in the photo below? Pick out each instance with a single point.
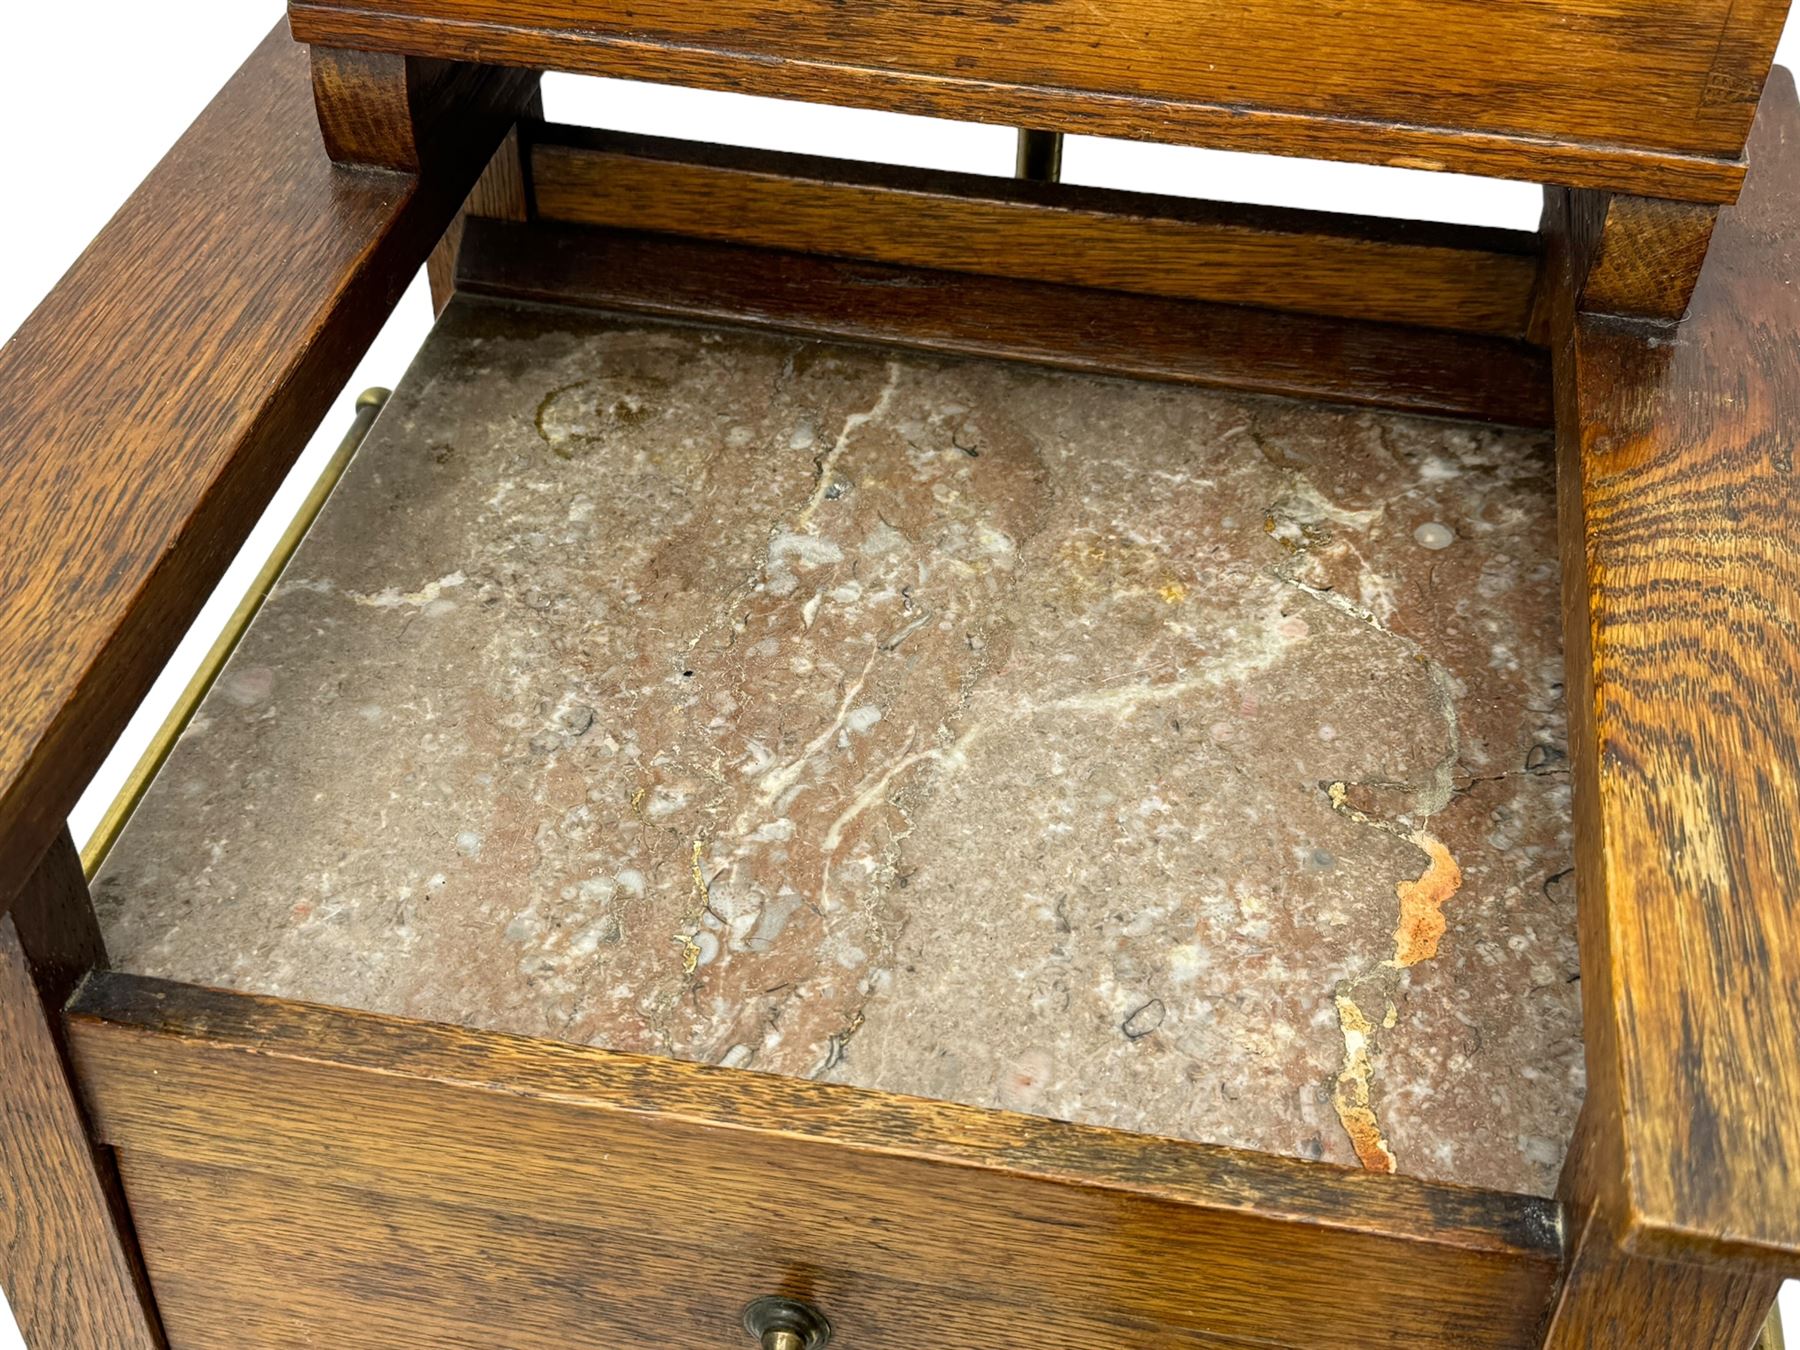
(1612, 1298)
(1685, 438)
(152, 401)
(1430, 372)
(1459, 278)
(112, 1004)
(1577, 163)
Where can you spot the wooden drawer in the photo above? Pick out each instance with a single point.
(302, 1177)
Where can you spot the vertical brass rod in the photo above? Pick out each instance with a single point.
(1040, 156)
(106, 834)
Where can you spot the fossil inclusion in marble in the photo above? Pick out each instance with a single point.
(1174, 760)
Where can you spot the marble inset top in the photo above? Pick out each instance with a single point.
(1181, 761)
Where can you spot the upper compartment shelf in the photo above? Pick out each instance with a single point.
(1652, 97)
(1150, 756)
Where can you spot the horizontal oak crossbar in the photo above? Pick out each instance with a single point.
(1069, 327)
(1437, 276)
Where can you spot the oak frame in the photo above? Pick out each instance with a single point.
(1696, 1244)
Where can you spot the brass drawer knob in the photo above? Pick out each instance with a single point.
(786, 1324)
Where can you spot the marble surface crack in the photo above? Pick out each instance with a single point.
(827, 462)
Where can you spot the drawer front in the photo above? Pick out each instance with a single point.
(300, 1176)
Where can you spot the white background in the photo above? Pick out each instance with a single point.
(92, 94)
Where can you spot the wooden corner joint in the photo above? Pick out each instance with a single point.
(1616, 1294)
(407, 113)
(1638, 257)
(1681, 568)
(382, 111)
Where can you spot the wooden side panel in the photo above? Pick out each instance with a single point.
(337, 1178)
(1073, 328)
(1434, 276)
(1681, 536)
(1645, 96)
(153, 401)
(68, 1261)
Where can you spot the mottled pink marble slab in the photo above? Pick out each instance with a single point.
(1168, 759)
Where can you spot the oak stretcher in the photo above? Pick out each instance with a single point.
(884, 757)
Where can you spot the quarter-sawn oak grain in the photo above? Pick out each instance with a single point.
(616, 1195)
(1390, 271)
(1680, 523)
(68, 1262)
(1637, 257)
(401, 112)
(1615, 1299)
(1070, 327)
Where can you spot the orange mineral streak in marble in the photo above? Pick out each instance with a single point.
(1422, 902)
(1352, 1098)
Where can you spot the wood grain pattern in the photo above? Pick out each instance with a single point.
(153, 401)
(68, 1260)
(1641, 96)
(1638, 257)
(1072, 328)
(1681, 533)
(401, 112)
(1387, 271)
(370, 1181)
(365, 102)
(1615, 1301)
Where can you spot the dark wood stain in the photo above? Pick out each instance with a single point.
(300, 1175)
(1681, 539)
(1433, 276)
(503, 192)
(1074, 328)
(68, 1260)
(1637, 258)
(1613, 1298)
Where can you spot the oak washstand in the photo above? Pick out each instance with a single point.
(909, 759)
